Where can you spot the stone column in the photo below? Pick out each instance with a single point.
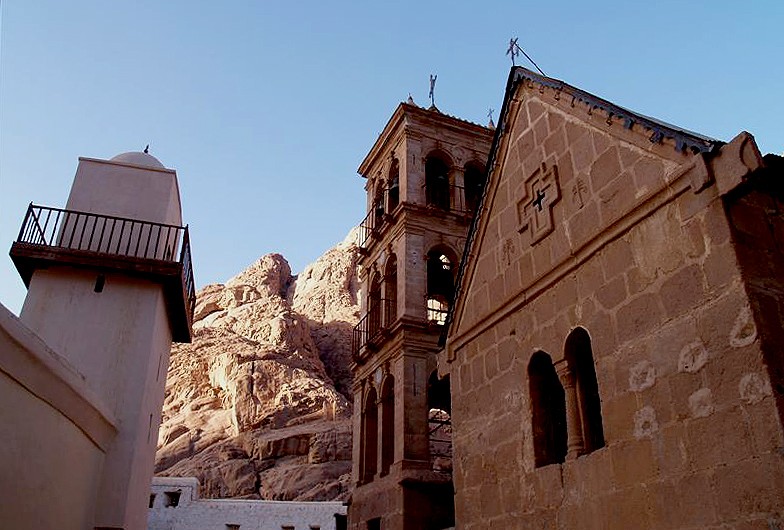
(457, 180)
(574, 427)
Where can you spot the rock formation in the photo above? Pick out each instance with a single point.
(256, 406)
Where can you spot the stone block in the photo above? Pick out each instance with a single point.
(618, 418)
(711, 443)
(582, 151)
(682, 291)
(629, 508)
(617, 198)
(648, 175)
(720, 266)
(750, 487)
(583, 224)
(548, 486)
(639, 316)
(601, 141)
(541, 130)
(765, 426)
(612, 293)
(682, 386)
(617, 258)
(605, 169)
(555, 143)
(694, 244)
(633, 462)
(491, 363)
(574, 131)
(590, 277)
(717, 227)
(670, 450)
(603, 336)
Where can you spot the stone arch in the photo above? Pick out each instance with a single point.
(578, 355)
(548, 411)
(374, 304)
(439, 406)
(387, 405)
(393, 185)
(378, 204)
(369, 436)
(474, 176)
(390, 290)
(437, 182)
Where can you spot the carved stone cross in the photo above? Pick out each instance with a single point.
(535, 208)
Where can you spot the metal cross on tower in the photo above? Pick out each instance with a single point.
(514, 50)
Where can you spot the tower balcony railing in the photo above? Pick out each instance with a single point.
(450, 198)
(105, 242)
(371, 225)
(370, 329)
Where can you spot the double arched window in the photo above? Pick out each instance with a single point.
(371, 431)
(566, 413)
(369, 436)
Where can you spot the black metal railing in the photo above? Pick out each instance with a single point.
(440, 440)
(450, 198)
(379, 318)
(371, 224)
(111, 236)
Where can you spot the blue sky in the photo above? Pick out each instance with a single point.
(266, 109)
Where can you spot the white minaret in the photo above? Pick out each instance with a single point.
(110, 286)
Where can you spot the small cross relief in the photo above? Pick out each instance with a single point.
(535, 208)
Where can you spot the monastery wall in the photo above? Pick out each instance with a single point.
(641, 254)
(175, 505)
(53, 439)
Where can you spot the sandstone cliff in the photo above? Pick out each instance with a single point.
(257, 406)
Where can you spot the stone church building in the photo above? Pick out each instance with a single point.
(587, 303)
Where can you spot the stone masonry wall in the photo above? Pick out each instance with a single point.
(647, 267)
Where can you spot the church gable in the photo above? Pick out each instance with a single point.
(563, 170)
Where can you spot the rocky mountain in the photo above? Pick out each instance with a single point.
(258, 405)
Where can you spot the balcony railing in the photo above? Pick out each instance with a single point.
(371, 224)
(440, 440)
(370, 329)
(450, 198)
(105, 241)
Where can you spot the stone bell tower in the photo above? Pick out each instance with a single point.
(425, 176)
(110, 286)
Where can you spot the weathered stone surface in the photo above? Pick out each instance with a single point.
(256, 406)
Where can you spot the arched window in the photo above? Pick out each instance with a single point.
(440, 285)
(548, 411)
(369, 437)
(374, 306)
(387, 423)
(579, 358)
(474, 183)
(378, 206)
(437, 182)
(393, 186)
(439, 404)
(390, 291)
